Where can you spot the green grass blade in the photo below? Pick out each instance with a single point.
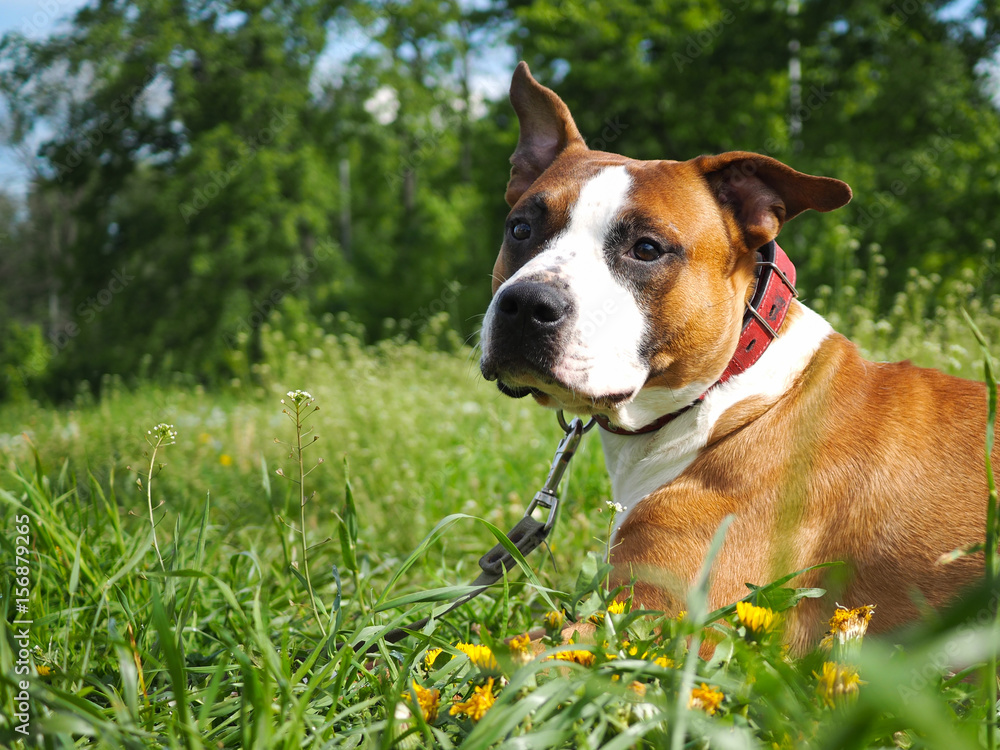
(697, 601)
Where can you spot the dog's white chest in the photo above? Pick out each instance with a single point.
(641, 464)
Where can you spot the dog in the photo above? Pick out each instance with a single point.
(651, 295)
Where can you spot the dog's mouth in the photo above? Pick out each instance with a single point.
(513, 385)
(532, 373)
(515, 391)
(548, 391)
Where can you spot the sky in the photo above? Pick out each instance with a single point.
(36, 19)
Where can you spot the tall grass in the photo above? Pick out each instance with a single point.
(244, 637)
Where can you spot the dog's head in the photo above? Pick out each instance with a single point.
(620, 277)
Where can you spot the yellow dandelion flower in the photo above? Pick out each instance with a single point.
(226, 460)
(838, 682)
(756, 619)
(519, 644)
(479, 655)
(706, 698)
(430, 657)
(520, 649)
(478, 703)
(553, 620)
(617, 608)
(848, 624)
(681, 615)
(43, 670)
(638, 688)
(583, 658)
(597, 618)
(429, 701)
(664, 662)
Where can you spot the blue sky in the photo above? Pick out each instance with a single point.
(33, 18)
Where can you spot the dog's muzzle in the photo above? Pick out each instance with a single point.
(525, 328)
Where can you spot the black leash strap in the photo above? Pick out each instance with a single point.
(526, 536)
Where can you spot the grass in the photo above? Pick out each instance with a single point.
(242, 637)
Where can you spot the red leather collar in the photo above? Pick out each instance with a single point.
(766, 312)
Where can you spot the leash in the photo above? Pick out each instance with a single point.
(526, 536)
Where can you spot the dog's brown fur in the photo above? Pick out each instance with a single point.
(878, 465)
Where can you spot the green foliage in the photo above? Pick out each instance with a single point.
(189, 157)
(209, 167)
(24, 359)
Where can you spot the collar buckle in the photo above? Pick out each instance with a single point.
(781, 275)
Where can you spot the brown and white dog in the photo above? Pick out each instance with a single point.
(622, 290)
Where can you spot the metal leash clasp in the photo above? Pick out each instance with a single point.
(527, 535)
(548, 496)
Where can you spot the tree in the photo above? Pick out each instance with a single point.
(198, 187)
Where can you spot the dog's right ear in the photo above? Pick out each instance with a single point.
(763, 193)
(547, 129)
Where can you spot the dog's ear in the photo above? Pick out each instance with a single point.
(763, 193)
(547, 129)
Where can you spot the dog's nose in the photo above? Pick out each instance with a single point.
(531, 305)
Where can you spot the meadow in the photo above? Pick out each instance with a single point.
(232, 625)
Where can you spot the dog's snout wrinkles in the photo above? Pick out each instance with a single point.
(531, 306)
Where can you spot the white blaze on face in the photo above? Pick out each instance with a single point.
(600, 354)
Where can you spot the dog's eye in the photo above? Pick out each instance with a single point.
(520, 231)
(645, 250)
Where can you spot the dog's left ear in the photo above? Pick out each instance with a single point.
(547, 129)
(763, 193)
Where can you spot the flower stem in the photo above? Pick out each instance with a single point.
(149, 502)
(302, 512)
